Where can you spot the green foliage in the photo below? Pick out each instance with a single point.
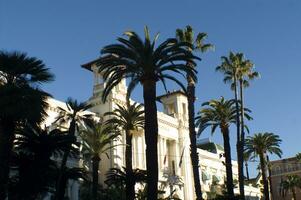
(20, 78)
(236, 67)
(115, 182)
(141, 194)
(22, 101)
(290, 184)
(74, 112)
(141, 60)
(298, 156)
(117, 177)
(109, 193)
(35, 166)
(42, 143)
(127, 117)
(218, 113)
(171, 181)
(197, 44)
(75, 115)
(145, 62)
(262, 143)
(97, 138)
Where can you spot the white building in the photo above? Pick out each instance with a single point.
(173, 142)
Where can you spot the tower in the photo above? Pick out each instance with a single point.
(175, 105)
(117, 95)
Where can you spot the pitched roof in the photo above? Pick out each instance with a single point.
(170, 93)
(88, 65)
(211, 147)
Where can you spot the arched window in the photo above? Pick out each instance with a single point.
(289, 167)
(277, 169)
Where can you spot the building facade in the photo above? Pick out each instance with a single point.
(280, 169)
(173, 144)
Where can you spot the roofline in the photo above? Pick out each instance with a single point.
(285, 159)
(256, 178)
(170, 93)
(88, 65)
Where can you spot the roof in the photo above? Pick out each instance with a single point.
(211, 147)
(89, 64)
(284, 160)
(170, 93)
(254, 180)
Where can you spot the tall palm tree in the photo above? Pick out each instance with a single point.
(97, 139)
(35, 149)
(142, 61)
(245, 74)
(197, 44)
(229, 67)
(291, 183)
(76, 116)
(260, 145)
(238, 71)
(221, 113)
(269, 166)
(21, 100)
(128, 118)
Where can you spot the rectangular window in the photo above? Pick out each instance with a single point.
(184, 109)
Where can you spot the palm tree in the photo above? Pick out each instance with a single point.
(21, 100)
(291, 183)
(75, 115)
(43, 144)
(129, 119)
(197, 44)
(35, 149)
(117, 176)
(260, 145)
(230, 68)
(221, 113)
(73, 173)
(97, 139)
(269, 166)
(298, 156)
(245, 74)
(146, 63)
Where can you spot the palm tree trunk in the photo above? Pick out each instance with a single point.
(240, 149)
(247, 170)
(61, 184)
(151, 138)
(264, 177)
(130, 182)
(229, 173)
(95, 166)
(238, 143)
(192, 135)
(7, 128)
(269, 177)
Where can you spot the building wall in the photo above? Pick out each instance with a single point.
(173, 142)
(279, 170)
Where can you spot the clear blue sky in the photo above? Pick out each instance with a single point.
(68, 33)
